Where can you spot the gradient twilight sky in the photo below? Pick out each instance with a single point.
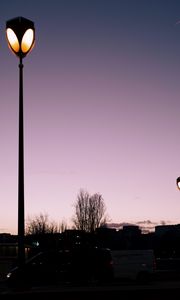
(101, 109)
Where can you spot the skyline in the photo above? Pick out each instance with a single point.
(101, 109)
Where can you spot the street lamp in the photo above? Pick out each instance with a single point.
(178, 182)
(20, 33)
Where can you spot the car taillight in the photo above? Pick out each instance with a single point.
(154, 265)
(109, 263)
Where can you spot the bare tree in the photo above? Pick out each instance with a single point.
(89, 211)
(62, 226)
(40, 225)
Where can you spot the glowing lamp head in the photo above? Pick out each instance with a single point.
(20, 33)
(178, 182)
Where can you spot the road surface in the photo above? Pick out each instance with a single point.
(157, 290)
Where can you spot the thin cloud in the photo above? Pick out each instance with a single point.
(146, 226)
(146, 222)
(177, 23)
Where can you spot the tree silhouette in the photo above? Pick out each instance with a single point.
(89, 211)
(40, 225)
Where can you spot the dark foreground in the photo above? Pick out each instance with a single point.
(153, 291)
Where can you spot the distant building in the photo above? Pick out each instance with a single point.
(131, 230)
(161, 230)
(131, 237)
(167, 240)
(106, 237)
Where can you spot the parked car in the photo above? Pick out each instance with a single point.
(134, 264)
(79, 265)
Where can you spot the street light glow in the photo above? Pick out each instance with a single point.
(27, 41)
(178, 183)
(12, 40)
(20, 33)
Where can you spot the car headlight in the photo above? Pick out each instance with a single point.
(9, 275)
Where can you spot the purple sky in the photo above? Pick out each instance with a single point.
(101, 109)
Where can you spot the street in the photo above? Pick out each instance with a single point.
(151, 291)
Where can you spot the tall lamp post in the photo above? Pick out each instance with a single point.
(20, 33)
